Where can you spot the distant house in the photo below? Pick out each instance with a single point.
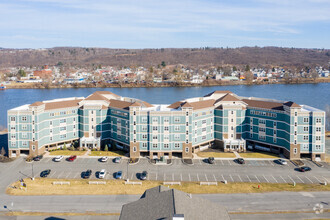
(44, 73)
(196, 79)
(164, 203)
(229, 78)
(158, 79)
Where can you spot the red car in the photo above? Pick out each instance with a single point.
(72, 158)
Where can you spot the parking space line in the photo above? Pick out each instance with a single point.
(222, 162)
(132, 176)
(200, 162)
(206, 178)
(181, 176)
(223, 178)
(271, 162)
(156, 175)
(249, 178)
(231, 178)
(309, 179)
(257, 178)
(197, 177)
(291, 179)
(240, 178)
(300, 179)
(325, 179)
(266, 179)
(51, 175)
(317, 179)
(60, 174)
(189, 177)
(229, 162)
(215, 178)
(67, 175)
(164, 177)
(172, 176)
(274, 179)
(283, 179)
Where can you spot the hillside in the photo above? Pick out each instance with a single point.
(254, 56)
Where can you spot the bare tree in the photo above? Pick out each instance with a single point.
(249, 77)
(3, 152)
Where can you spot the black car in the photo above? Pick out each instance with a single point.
(210, 160)
(240, 160)
(87, 174)
(37, 158)
(304, 169)
(45, 173)
(144, 175)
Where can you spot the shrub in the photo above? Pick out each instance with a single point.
(106, 148)
(64, 147)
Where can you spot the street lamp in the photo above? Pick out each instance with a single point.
(127, 170)
(32, 178)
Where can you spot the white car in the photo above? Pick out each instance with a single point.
(102, 174)
(104, 159)
(283, 162)
(58, 158)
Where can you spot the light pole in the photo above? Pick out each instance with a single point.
(127, 170)
(32, 178)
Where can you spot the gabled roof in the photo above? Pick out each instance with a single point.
(163, 203)
(96, 96)
(107, 93)
(120, 104)
(228, 98)
(218, 92)
(37, 104)
(195, 105)
(175, 105)
(292, 104)
(264, 104)
(62, 104)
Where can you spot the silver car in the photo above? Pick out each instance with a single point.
(104, 159)
(102, 174)
(58, 158)
(283, 162)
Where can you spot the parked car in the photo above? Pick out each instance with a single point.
(281, 161)
(119, 175)
(210, 160)
(144, 175)
(104, 159)
(117, 159)
(240, 160)
(102, 174)
(58, 158)
(37, 158)
(304, 169)
(72, 158)
(87, 174)
(45, 173)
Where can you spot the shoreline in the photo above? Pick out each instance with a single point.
(207, 83)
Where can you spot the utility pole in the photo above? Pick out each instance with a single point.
(127, 170)
(32, 178)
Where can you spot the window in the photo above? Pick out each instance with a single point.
(187, 123)
(203, 129)
(50, 130)
(306, 120)
(295, 141)
(155, 128)
(63, 136)
(154, 145)
(154, 119)
(144, 136)
(176, 119)
(295, 113)
(166, 119)
(134, 113)
(50, 138)
(318, 147)
(176, 137)
(24, 143)
(305, 128)
(13, 136)
(295, 150)
(33, 147)
(166, 146)
(232, 120)
(232, 135)
(305, 137)
(73, 111)
(144, 145)
(134, 122)
(274, 140)
(144, 119)
(155, 137)
(204, 122)
(262, 137)
(251, 135)
(24, 127)
(203, 113)
(63, 120)
(176, 145)
(74, 134)
(196, 123)
(32, 112)
(187, 141)
(274, 132)
(134, 149)
(305, 146)
(24, 135)
(74, 126)
(187, 149)
(318, 129)
(262, 129)
(318, 120)
(144, 128)
(50, 123)
(92, 119)
(232, 112)
(51, 114)
(251, 120)
(134, 131)
(295, 124)
(232, 128)
(187, 113)
(64, 128)
(204, 137)
(166, 128)
(32, 130)
(274, 124)
(261, 121)
(12, 128)
(32, 122)
(24, 118)
(187, 132)
(134, 140)
(318, 138)
(13, 144)
(176, 128)
(295, 133)
(166, 137)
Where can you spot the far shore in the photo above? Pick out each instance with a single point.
(157, 85)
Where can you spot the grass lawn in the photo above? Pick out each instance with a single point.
(258, 155)
(215, 154)
(107, 153)
(114, 187)
(67, 152)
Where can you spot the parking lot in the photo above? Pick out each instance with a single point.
(256, 171)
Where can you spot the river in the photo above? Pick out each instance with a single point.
(316, 95)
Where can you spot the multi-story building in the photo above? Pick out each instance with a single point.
(220, 119)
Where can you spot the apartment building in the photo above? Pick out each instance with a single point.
(220, 119)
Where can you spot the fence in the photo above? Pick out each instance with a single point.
(208, 183)
(61, 183)
(172, 183)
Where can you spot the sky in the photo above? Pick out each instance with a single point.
(164, 23)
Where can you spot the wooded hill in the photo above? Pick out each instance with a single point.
(81, 57)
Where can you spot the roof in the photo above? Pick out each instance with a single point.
(264, 104)
(195, 105)
(163, 203)
(218, 92)
(62, 104)
(120, 104)
(37, 104)
(228, 98)
(96, 96)
(107, 93)
(292, 104)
